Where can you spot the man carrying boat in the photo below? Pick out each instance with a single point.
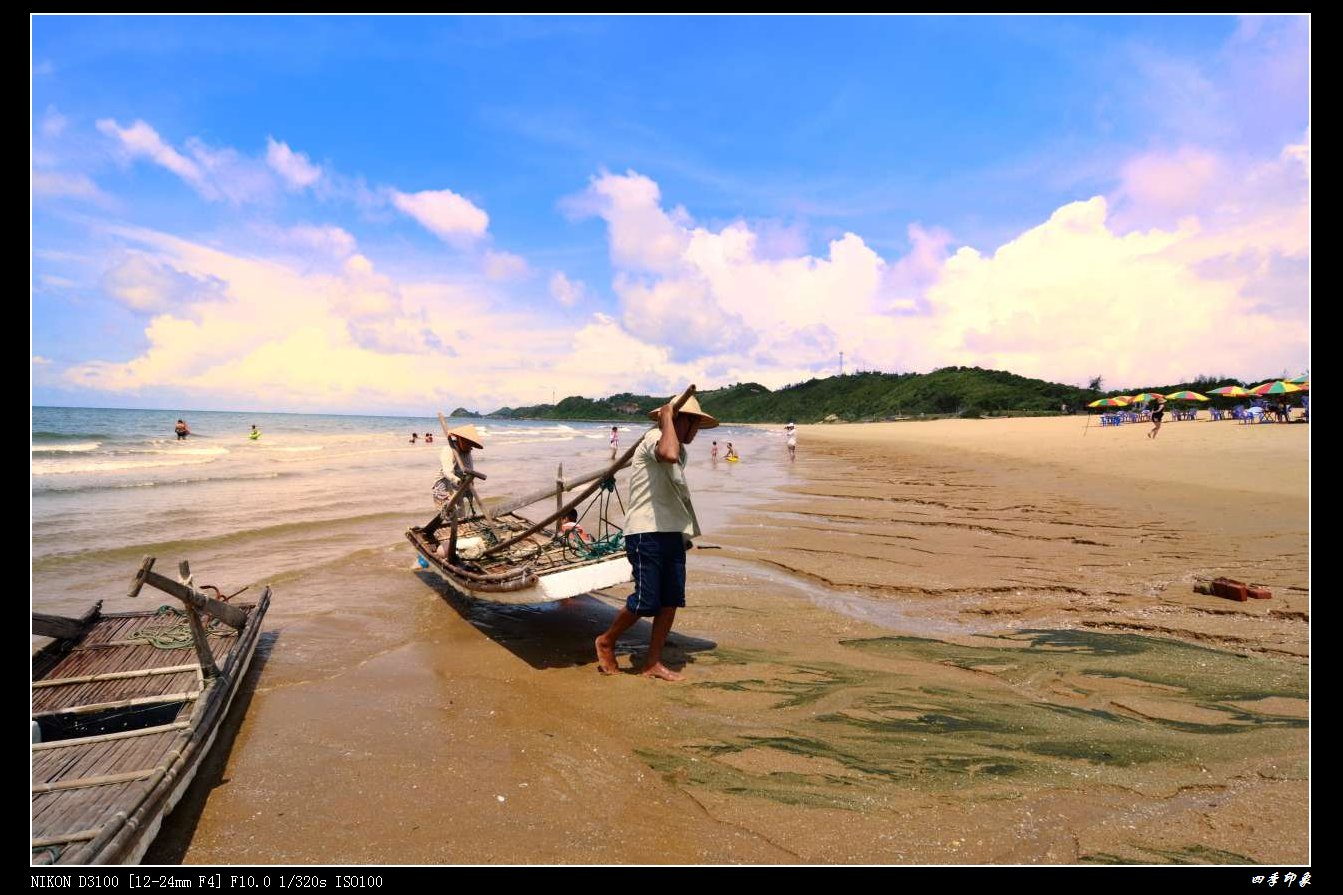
(659, 524)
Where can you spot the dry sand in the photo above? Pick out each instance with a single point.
(948, 642)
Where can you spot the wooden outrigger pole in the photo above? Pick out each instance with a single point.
(601, 477)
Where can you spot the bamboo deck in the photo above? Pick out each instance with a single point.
(510, 576)
(136, 721)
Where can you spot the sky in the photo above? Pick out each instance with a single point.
(407, 214)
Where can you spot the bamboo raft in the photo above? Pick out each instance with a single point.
(120, 726)
(511, 559)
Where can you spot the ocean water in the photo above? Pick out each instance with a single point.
(110, 486)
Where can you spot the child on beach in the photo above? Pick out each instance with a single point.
(255, 433)
(615, 441)
(428, 437)
(414, 436)
(571, 531)
(732, 452)
(713, 452)
(791, 431)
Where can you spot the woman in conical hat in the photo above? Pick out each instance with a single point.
(465, 437)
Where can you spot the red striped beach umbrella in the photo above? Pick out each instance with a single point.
(1186, 396)
(1230, 391)
(1278, 388)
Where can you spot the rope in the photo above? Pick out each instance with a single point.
(610, 537)
(178, 634)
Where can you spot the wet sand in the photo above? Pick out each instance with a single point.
(950, 642)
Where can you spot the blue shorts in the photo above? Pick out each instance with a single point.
(658, 558)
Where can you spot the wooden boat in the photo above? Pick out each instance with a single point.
(539, 568)
(494, 554)
(121, 725)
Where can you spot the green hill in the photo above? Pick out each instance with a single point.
(967, 391)
(950, 391)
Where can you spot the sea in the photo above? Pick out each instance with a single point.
(313, 492)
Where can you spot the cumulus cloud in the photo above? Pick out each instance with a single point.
(566, 291)
(1079, 292)
(447, 215)
(144, 284)
(643, 236)
(294, 168)
(39, 360)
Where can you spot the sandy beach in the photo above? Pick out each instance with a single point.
(935, 643)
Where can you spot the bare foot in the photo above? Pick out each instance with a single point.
(662, 672)
(606, 657)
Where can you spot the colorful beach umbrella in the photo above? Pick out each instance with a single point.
(1230, 391)
(1300, 380)
(1121, 401)
(1186, 396)
(1146, 396)
(1277, 388)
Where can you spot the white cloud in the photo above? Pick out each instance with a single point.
(294, 168)
(216, 174)
(72, 186)
(144, 284)
(39, 360)
(643, 236)
(1300, 153)
(447, 215)
(505, 266)
(566, 291)
(141, 140)
(53, 123)
(328, 240)
(1076, 295)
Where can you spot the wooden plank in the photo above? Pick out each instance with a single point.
(108, 737)
(78, 836)
(58, 626)
(619, 464)
(122, 704)
(229, 615)
(104, 780)
(115, 675)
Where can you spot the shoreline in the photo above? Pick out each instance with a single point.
(863, 689)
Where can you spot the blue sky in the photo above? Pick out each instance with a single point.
(322, 213)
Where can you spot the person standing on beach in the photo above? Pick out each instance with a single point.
(615, 441)
(1158, 411)
(181, 430)
(454, 461)
(713, 452)
(791, 431)
(659, 524)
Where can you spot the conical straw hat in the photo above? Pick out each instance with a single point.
(468, 434)
(691, 406)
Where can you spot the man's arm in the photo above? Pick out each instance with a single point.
(669, 446)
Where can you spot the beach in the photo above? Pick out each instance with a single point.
(948, 642)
